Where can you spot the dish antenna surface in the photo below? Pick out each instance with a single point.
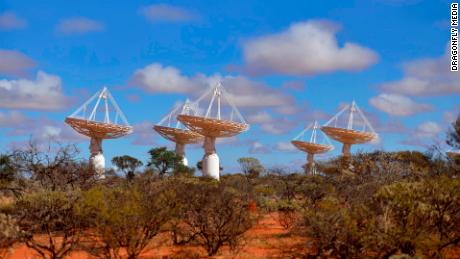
(221, 120)
(173, 130)
(313, 145)
(99, 118)
(355, 129)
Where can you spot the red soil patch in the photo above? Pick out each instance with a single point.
(266, 239)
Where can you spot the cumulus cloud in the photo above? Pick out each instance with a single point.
(398, 105)
(14, 63)
(248, 95)
(10, 21)
(78, 26)
(294, 85)
(284, 146)
(425, 133)
(12, 119)
(43, 93)
(305, 48)
(157, 78)
(426, 77)
(452, 114)
(143, 134)
(39, 130)
(428, 129)
(166, 13)
(258, 148)
(391, 126)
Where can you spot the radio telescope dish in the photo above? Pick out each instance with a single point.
(113, 124)
(218, 126)
(349, 134)
(173, 130)
(312, 146)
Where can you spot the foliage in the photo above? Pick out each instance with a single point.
(183, 170)
(56, 167)
(123, 217)
(453, 135)
(127, 164)
(215, 215)
(250, 167)
(164, 161)
(7, 170)
(9, 233)
(337, 231)
(49, 214)
(402, 204)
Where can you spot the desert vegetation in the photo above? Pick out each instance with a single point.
(370, 205)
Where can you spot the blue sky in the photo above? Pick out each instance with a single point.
(292, 61)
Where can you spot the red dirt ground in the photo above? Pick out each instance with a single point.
(267, 239)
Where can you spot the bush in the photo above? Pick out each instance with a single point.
(215, 215)
(52, 214)
(124, 217)
(9, 233)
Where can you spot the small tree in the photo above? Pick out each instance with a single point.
(127, 164)
(215, 216)
(405, 224)
(199, 165)
(164, 161)
(9, 176)
(9, 234)
(55, 167)
(183, 170)
(251, 167)
(336, 231)
(453, 135)
(49, 213)
(124, 218)
(7, 169)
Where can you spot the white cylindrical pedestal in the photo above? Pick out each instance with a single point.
(184, 161)
(211, 166)
(310, 164)
(96, 159)
(346, 149)
(180, 150)
(210, 159)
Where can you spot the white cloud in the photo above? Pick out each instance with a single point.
(10, 21)
(426, 77)
(143, 134)
(38, 130)
(248, 95)
(270, 124)
(166, 13)
(452, 114)
(79, 25)
(428, 129)
(258, 148)
(157, 78)
(306, 48)
(285, 147)
(43, 93)
(14, 63)
(398, 105)
(12, 119)
(424, 134)
(260, 117)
